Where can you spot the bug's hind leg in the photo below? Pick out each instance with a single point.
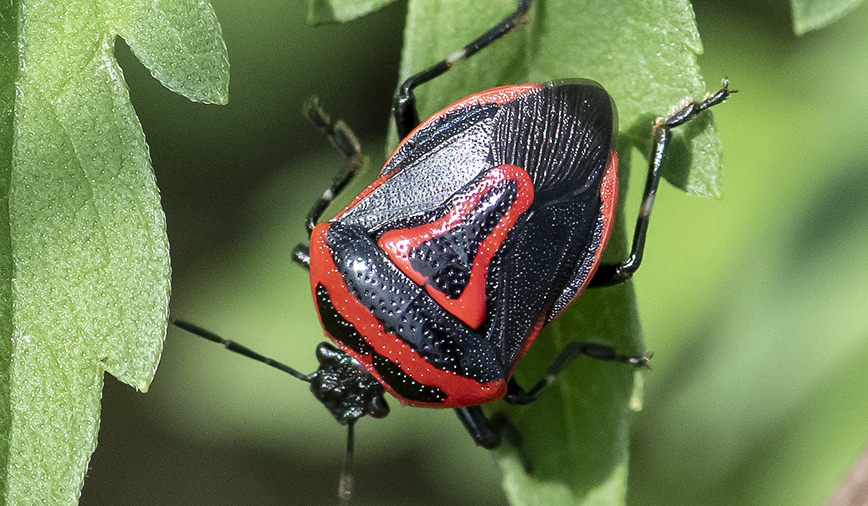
(516, 395)
(613, 274)
(491, 432)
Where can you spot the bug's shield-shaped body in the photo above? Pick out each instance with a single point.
(484, 225)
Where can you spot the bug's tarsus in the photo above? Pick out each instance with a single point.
(404, 105)
(693, 108)
(342, 138)
(501, 424)
(301, 255)
(613, 274)
(574, 350)
(338, 132)
(491, 432)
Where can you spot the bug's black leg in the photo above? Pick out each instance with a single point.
(346, 142)
(478, 426)
(490, 433)
(341, 137)
(517, 395)
(613, 274)
(404, 106)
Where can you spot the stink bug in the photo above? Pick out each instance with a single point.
(487, 222)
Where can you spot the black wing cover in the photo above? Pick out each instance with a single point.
(562, 137)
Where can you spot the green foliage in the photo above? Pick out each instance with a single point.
(83, 248)
(815, 14)
(751, 303)
(749, 306)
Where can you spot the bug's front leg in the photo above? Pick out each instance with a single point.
(342, 138)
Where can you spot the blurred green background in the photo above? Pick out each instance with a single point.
(755, 305)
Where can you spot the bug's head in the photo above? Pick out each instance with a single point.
(345, 388)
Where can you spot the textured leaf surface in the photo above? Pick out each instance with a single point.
(644, 53)
(83, 250)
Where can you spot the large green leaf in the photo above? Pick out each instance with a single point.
(83, 250)
(644, 53)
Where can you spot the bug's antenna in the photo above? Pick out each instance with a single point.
(239, 348)
(345, 489)
(341, 384)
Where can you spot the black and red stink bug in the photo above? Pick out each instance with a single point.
(487, 222)
(483, 226)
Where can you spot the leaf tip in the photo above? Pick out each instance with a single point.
(809, 16)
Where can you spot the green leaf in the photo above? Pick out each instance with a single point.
(338, 11)
(644, 53)
(815, 14)
(83, 249)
